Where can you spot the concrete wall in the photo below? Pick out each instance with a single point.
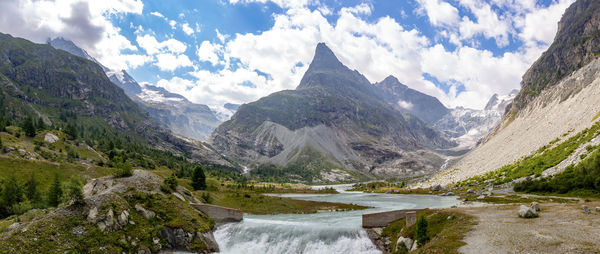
(220, 214)
(376, 220)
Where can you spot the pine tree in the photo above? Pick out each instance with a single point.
(421, 231)
(28, 127)
(55, 192)
(40, 124)
(75, 192)
(31, 189)
(199, 179)
(11, 193)
(71, 131)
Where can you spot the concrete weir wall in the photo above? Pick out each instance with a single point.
(220, 214)
(377, 220)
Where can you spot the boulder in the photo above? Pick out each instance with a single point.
(470, 191)
(526, 212)
(535, 206)
(407, 242)
(50, 138)
(390, 191)
(586, 210)
(179, 196)
(436, 188)
(209, 241)
(124, 218)
(145, 212)
(93, 215)
(598, 209)
(414, 246)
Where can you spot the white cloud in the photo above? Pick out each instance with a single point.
(284, 51)
(209, 52)
(170, 62)
(440, 13)
(152, 46)
(158, 14)
(187, 29)
(83, 22)
(173, 24)
(281, 3)
(405, 104)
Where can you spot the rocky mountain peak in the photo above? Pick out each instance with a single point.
(325, 58)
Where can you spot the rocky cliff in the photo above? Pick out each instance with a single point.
(576, 44)
(566, 82)
(338, 113)
(425, 107)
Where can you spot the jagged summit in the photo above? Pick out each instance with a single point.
(325, 58)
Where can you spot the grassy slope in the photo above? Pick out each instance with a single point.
(446, 234)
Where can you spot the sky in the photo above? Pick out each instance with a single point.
(236, 51)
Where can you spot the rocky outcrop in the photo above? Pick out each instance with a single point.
(576, 44)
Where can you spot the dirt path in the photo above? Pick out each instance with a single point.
(561, 228)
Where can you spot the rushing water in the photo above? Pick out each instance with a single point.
(327, 232)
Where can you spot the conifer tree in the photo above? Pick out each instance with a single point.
(31, 189)
(11, 192)
(28, 127)
(55, 192)
(75, 192)
(421, 231)
(199, 179)
(40, 124)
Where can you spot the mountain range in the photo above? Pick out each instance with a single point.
(65, 90)
(170, 110)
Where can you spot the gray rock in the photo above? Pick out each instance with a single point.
(526, 212)
(110, 218)
(586, 210)
(145, 212)
(378, 230)
(598, 209)
(414, 246)
(14, 225)
(390, 191)
(407, 242)
(50, 138)
(535, 206)
(209, 241)
(93, 215)
(481, 197)
(22, 152)
(470, 191)
(179, 196)
(144, 250)
(436, 188)
(124, 218)
(79, 230)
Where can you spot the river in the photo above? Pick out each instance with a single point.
(326, 232)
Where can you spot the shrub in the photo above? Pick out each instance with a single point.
(206, 197)
(123, 170)
(421, 235)
(75, 193)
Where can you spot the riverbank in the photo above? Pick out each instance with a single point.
(560, 228)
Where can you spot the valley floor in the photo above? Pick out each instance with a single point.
(561, 228)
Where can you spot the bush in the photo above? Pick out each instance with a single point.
(123, 170)
(421, 235)
(169, 184)
(75, 193)
(206, 197)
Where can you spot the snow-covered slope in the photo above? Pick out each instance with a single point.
(467, 126)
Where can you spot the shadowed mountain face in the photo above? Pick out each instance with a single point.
(171, 111)
(426, 107)
(576, 44)
(340, 114)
